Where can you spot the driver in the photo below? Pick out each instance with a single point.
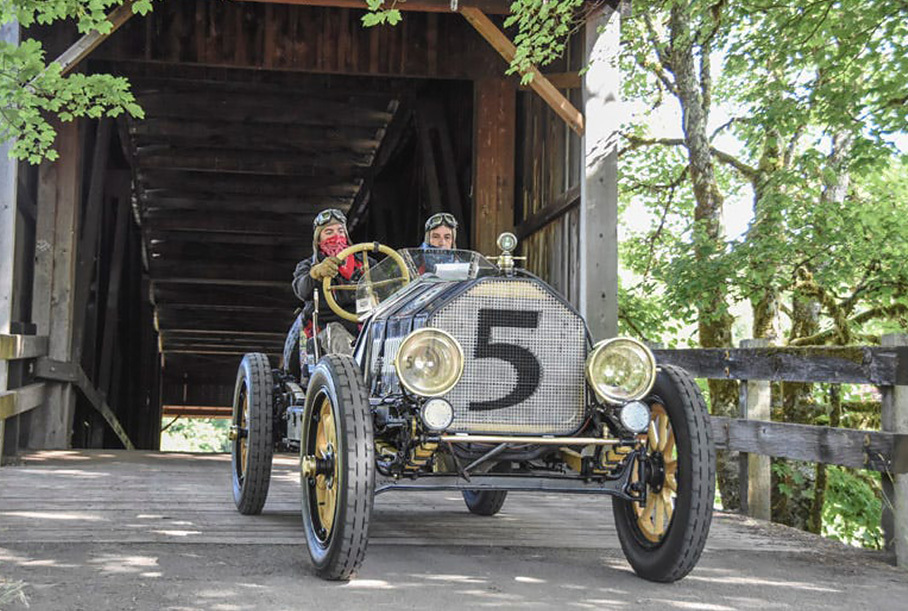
(329, 237)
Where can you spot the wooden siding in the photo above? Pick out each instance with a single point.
(548, 166)
(305, 39)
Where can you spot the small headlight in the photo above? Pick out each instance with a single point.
(635, 416)
(620, 370)
(429, 362)
(437, 414)
(507, 242)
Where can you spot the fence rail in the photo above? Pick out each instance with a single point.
(19, 400)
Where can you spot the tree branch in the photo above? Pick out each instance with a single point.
(822, 337)
(706, 81)
(665, 60)
(747, 171)
(636, 142)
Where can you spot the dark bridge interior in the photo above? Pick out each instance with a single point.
(229, 172)
(268, 115)
(158, 250)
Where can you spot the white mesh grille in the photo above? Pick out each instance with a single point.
(524, 357)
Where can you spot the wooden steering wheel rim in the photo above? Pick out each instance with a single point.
(353, 250)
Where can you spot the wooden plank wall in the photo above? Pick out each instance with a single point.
(305, 39)
(79, 282)
(548, 166)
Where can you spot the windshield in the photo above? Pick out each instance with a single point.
(428, 264)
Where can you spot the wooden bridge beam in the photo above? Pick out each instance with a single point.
(53, 309)
(495, 129)
(599, 178)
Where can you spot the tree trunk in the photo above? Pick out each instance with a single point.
(693, 91)
(767, 229)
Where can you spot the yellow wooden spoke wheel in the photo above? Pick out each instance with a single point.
(655, 516)
(326, 479)
(330, 288)
(337, 467)
(663, 537)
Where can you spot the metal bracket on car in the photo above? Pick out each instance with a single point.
(486, 457)
(550, 441)
(617, 487)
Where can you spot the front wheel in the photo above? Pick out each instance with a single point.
(337, 467)
(663, 539)
(252, 443)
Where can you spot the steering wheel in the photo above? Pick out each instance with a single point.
(328, 287)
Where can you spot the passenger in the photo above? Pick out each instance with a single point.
(441, 232)
(329, 237)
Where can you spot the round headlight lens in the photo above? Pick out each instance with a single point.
(507, 241)
(429, 362)
(635, 416)
(620, 370)
(437, 414)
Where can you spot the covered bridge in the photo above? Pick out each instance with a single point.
(138, 268)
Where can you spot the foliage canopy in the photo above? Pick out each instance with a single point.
(33, 89)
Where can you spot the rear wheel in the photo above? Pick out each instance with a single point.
(663, 538)
(337, 468)
(487, 502)
(251, 434)
(484, 502)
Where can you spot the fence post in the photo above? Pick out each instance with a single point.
(756, 484)
(895, 487)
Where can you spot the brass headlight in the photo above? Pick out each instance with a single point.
(620, 370)
(429, 362)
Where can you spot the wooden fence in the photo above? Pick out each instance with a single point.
(44, 371)
(756, 365)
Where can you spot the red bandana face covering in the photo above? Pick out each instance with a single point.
(333, 245)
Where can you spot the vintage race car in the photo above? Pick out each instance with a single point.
(479, 377)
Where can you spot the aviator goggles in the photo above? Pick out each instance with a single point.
(442, 218)
(325, 216)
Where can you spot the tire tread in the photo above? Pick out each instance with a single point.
(669, 565)
(250, 494)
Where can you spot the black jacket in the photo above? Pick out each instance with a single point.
(304, 288)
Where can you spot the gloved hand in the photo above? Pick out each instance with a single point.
(325, 269)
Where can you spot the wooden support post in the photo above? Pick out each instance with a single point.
(430, 164)
(495, 126)
(59, 190)
(122, 221)
(9, 178)
(895, 487)
(755, 469)
(599, 182)
(90, 230)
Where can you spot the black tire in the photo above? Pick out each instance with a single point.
(486, 502)
(253, 443)
(669, 554)
(290, 359)
(337, 535)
